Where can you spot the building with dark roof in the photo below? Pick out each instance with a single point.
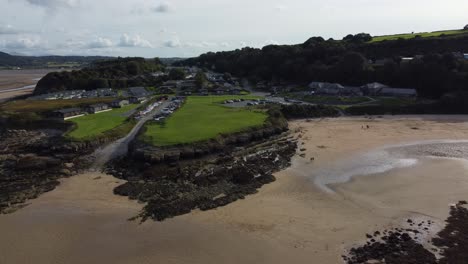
(67, 113)
(96, 108)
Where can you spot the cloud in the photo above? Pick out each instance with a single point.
(225, 44)
(100, 43)
(22, 43)
(135, 41)
(54, 3)
(173, 43)
(163, 7)
(9, 30)
(271, 42)
(280, 7)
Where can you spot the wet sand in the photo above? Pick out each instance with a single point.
(13, 79)
(10, 79)
(291, 220)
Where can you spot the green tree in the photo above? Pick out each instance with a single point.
(176, 74)
(200, 80)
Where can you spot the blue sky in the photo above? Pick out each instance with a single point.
(184, 28)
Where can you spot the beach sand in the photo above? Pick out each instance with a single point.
(291, 220)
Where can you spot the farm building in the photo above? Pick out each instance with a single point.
(96, 108)
(68, 113)
(119, 103)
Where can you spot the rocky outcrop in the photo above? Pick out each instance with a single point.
(180, 186)
(155, 155)
(30, 164)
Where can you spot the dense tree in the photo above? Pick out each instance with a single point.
(116, 73)
(176, 74)
(200, 80)
(466, 27)
(346, 62)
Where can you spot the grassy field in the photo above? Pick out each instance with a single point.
(203, 118)
(92, 125)
(423, 34)
(45, 106)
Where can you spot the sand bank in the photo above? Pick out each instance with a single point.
(291, 220)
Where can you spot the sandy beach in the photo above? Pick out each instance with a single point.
(309, 215)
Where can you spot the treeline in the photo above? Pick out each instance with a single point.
(352, 61)
(7, 60)
(118, 73)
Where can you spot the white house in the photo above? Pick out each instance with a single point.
(327, 88)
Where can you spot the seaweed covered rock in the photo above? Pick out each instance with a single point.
(170, 190)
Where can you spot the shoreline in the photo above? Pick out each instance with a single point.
(288, 220)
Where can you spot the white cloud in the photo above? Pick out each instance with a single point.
(225, 44)
(271, 42)
(22, 43)
(280, 7)
(54, 3)
(135, 41)
(164, 7)
(100, 43)
(8, 30)
(173, 43)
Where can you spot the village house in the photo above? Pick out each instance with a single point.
(188, 85)
(138, 91)
(96, 108)
(373, 89)
(137, 100)
(327, 88)
(67, 113)
(204, 92)
(399, 92)
(220, 91)
(235, 91)
(378, 89)
(119, 103)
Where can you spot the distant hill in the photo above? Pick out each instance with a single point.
(8, 61)
(420, 35)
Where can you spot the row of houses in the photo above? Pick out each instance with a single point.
(371, 89)
(70, 113)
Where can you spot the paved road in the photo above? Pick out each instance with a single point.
(119, 148)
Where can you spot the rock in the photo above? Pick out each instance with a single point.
(65, 172)
(69, 165)
(35, 162)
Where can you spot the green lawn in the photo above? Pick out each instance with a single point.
(203, 118)
(92, 125)
(424, 35)
(40, 106)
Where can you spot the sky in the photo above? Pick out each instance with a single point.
(187, 28)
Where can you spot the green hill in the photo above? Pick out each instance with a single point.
(420, 35)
